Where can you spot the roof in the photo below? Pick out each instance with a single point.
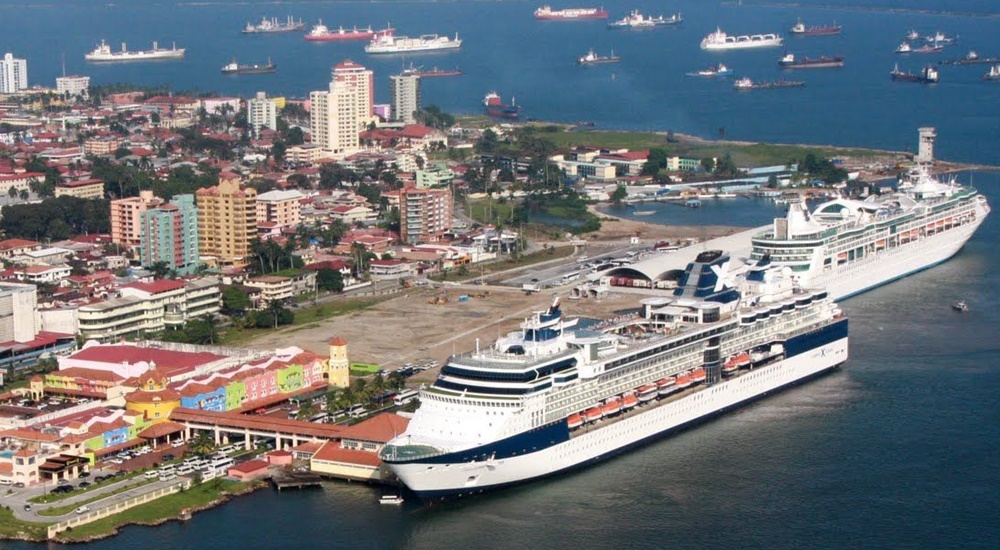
(167, 360)
(333, 452)
(279, 195)
(249, 466)
(81, 183)
(162, 429)
(157, 286)
(89, 374)
(338, 341)
(379, 428)
(10, 244)
(256, 422)
(142, 396)
(309, 447)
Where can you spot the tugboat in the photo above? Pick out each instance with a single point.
(960, 306)
(746, 83)
(801, 30)
(822, 62)
(495, 107)
(927, 75)
(717, 70)
(235, 68)
(993, 74)
(593, 59)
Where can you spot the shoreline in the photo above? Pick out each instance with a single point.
(617, 228)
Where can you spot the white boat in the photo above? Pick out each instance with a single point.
(390, 499)
(501, 415)
(960, 306)
(644, 212)
(850, 246)
(388, 43)
(103, 53)
(719, 40)
(635, 20)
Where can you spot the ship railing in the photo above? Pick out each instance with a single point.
(500, 360)
(408, 452)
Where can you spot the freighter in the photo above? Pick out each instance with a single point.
(256, 68)
(103, 53)
(495, 107)
(637, 21)
(801, 29)
(747, 83)
(389, 43)
(592, 58)
(927, 75)
(322, 33)
(993, 74)
(570, 14)
(431, 73)
(719, 40)
(850, 246)
(554, 396)
(789, 61)
(273, 25)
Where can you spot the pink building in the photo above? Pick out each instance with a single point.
(126, 217)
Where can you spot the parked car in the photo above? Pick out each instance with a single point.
(168, 456)
(27, 507)
(84, 484)
(84, 474)
(19, 485)
(63, 482)
(178, 443)
(82, 509)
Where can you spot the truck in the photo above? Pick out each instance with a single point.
(530, 288)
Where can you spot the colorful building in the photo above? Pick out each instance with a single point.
(227, 223)
(153, 400)
(169, 234)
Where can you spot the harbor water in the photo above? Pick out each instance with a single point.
(896, 450)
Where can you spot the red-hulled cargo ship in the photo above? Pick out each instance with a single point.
(321, 33)
(495, 107)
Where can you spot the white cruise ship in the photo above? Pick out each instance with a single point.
(555, 396)
(103, 53)
(388, 43)
(719, 40)
(849, 246)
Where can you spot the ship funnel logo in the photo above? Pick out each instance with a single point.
(721, 272)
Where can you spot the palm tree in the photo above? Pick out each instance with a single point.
(202, 443)
(395, 380)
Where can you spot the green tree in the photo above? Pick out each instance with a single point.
(330, 280)
(202, 443)
(235, 301)
(160, 269)
(12, 192)
(278, 151)
(619, 194)
(708, 164)
(294, 136)
(656, 161)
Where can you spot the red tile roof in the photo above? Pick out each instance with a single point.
(338, 341)
(333, 452)
(89, 374)
(157, 286)
(161, 429)
(167, 360)
(249, 467)
(379, 428)
(236, 420)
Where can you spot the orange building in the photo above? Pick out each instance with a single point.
(153, 400)
(227, 222)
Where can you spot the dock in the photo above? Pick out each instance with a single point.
(295, 480)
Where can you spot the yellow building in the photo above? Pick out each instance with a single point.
(153, 400)
(227, 223)
(84, 189)
(337, 369)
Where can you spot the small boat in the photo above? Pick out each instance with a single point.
(390, 499)
(748, 84)
(647, 392)
(593, 414)
(684, 380)
(904, 48)
(698, 375)
(692, 203)
(928, 48)
(716, 70)
(666, 386)
(235, 68)
(960, 306)
(431, 73)
(644, 212)
(993, 74)
(912, 35)
(612, 407)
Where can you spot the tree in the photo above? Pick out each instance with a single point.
(619, 194)
(235, 301)
(202, 443)
(12, 192)
(278, 150)
(726, 167)
(294, 136)
(160, 269)
(708, 164)
(330, 280)
(656, 161)
(122, 152)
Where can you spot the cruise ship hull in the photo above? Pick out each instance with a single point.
(889, 265)
(558, 451)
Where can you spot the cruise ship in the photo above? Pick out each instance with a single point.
(103, 53)
(849, 246)
(719, 40)
(388, 43)
(556, 396)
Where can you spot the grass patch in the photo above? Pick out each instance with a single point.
(11, 527)
(62, 510)
(162, 509)
(489, 211)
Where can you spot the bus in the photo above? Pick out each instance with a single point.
(319, 418)
(570, 277)
(404, 397)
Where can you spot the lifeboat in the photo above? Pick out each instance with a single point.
(666, 386)
(593, 414)
(729, 368)
(647, 392)
(574, 421)
(612, 407)
(629, 400)
(698, 375)
(683, 380)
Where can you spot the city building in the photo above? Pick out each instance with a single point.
(20, 182)
(73, 86)
(13, 74)
(355, 455)
(425, 215)
(340, 113)
(227, 222)
(126, 217)
(278, 288)
(435, 175)
(102, 145)
(22, 342)
(84, 189)
(262, 113)
(405, 91)
(925, 147)
(169, 233)
(281, 208)
(149, 307)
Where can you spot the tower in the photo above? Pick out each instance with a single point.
(337, 371)
(339, 114)
(925, 149)
(13, 74)
(405, 97)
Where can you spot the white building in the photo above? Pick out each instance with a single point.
(13, 74)
(75, 86)
(339, 114)
(19, 319)
(262, 113)
(405, 97)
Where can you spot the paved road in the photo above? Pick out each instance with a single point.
(17, 500)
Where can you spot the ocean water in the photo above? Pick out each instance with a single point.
(506, 50)
(896, 450)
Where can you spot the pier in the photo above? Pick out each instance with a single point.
(295, 480)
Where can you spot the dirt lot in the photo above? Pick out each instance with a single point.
(407, 328)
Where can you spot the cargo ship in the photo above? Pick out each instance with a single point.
(322, 33)
(546, 13)
(746, 83)
(993, 74)
(389, 43)
(103, 53)
(971, 58)
(940, 39)
(495, 107)
(554, 396)
(637, 21)
(235, 68)
(800, 29)
(789, 61)
(273, 25)
(591, 58)
(431, 73)
(905, 47)
(715, 70)
(719, 40)
(927, 75)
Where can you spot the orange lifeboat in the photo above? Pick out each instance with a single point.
(612, 407)
(629, 400)
(666, 386)
(698, 375)
(574, 421)
(647, 392)
(593, 414)
(683, 380)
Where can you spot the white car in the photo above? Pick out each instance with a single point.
(82, 509)
(152, 474)
(178, 443)
(116, 461)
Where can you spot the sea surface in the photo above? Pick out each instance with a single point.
(898, 449)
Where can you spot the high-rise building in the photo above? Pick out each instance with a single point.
(227, 222)
(339, 114)
(282, 208)
(425, 215)
(170, 235)
(405, 97)
(126, 217)
(262, 113)
(75, 86)
(13, 74)
(19, 318)
(925, 148)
